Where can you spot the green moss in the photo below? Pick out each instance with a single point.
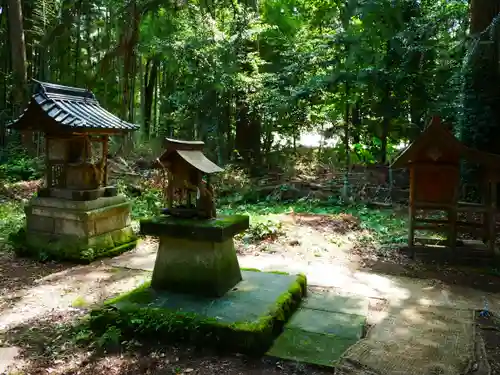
(257, 270)
(251, 269)
(131, 314)
(79, 302)
(216, 230)
(218, 222)
(70, 249)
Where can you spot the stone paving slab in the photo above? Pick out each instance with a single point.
(309, 347)
(327, 322)
(330, 301)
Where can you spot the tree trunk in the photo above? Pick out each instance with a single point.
(18, 54)
(19, 67)
(247, 138)
(150, 78)
(479, 127)
(482, 13)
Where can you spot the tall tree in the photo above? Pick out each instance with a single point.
(19, 64)
(480, 125)
(18, 51)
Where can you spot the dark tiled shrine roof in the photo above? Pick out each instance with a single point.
(71, 107)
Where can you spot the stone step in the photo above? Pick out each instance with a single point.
(324, 327)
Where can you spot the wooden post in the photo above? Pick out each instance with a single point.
(48, 167)
(105, 140)
(492, 216)
(452, 220)
(170, 189)
(411, 213)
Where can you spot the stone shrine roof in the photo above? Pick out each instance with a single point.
(70, 108)
(191, 152)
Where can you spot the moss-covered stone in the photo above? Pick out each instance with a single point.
(204, 268)
(71, 248)
(247, 319)
(217, 230)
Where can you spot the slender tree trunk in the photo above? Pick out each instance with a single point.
(479, 125)
(19, 65)
(345, 190)
(78, 41)
(150, 79)
(18, 53)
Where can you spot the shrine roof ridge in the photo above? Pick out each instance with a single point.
(437, 136)
(70, 107)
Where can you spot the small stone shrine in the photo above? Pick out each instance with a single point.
(76, 214)
(185, 164)
(196, 252)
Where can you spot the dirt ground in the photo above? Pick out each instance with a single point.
(340, 240)
(40, 301)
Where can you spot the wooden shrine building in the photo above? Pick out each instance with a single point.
(434, 161)
(76, 132)
(76, 205)
(186, 165)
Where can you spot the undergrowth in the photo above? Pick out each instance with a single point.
(17, 165)
(384, 227)
(11, 219)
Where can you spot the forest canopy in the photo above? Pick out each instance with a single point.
(242, 75)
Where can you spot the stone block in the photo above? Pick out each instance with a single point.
(75, 248)
(77, 205)
(78, 230)
(218, 229)
(70, 227)
(195, 267)
(40, 223)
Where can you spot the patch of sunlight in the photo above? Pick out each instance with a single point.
(383, 286)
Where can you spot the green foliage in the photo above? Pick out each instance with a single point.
(11, 220)
(262, 230)
(147, 204)
(249, 80)
(16, 165)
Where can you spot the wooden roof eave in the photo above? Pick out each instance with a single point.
(407, 156)
(35, 119)
(486, 159)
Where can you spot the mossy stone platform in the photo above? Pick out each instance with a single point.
(79, 231)
(196, 256)
(247, 319)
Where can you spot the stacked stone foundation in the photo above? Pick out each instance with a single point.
(77, 230)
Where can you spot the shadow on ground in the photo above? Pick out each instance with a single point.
(17, 274)
(463, 272)
(48, 346)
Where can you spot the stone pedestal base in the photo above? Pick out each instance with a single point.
(196, 256)
(81, 231)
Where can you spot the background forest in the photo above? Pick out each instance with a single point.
(250, 77)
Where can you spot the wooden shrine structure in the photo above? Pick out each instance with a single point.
(434, 162)
(76, 130)
(185, 166)
(76, 214)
